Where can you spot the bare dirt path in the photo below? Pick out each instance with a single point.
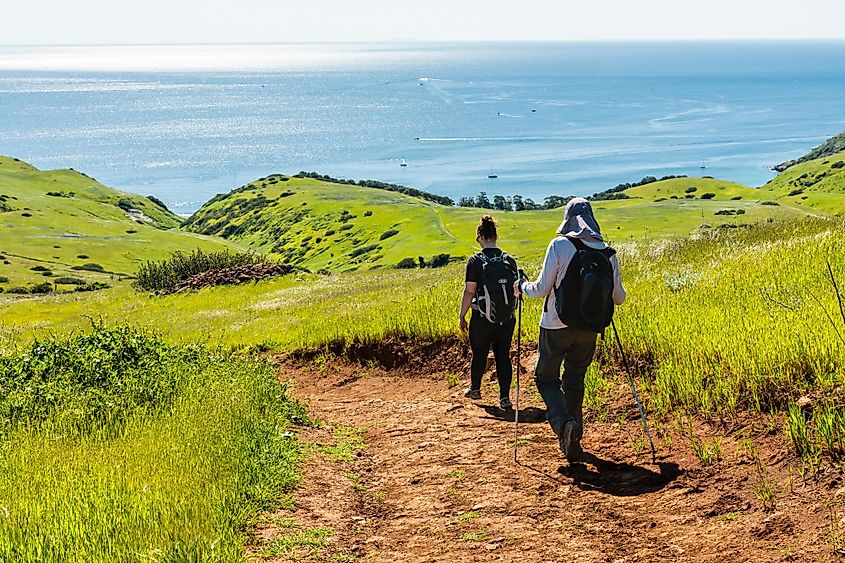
(435, 481)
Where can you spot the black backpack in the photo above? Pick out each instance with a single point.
(496, 299)
(584, 299)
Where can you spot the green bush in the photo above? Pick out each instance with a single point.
(345, 227)
(389, 233)
(708, 195)
(18, 290)
(769, 203)
(41, 288)
(93, 286)
(368, 213)
(406, 264)
(90, 267)
(691, 189)
(63, 280)
(4, 279)
(40, 269)
(363, 250)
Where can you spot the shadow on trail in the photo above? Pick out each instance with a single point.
(619, 479)
(528, 415)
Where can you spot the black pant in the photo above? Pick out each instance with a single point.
(482, 335)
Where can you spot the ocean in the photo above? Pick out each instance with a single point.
(186, 122)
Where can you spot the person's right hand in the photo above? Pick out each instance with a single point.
(516, 288)
(464, 325)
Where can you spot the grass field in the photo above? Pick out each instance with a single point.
(727, 312)
(117, 447)
(83, 224)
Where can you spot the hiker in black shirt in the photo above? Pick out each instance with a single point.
(492, 302)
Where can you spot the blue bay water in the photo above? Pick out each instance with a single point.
(186, 123)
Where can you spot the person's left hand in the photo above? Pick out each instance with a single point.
(464, 325)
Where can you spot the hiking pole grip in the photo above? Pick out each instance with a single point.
(634, 389)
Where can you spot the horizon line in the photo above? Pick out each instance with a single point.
(710, 40)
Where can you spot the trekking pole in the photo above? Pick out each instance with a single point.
(518, 370)
(634, 389)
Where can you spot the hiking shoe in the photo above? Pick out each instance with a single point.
(570, 440)
(505, 403)
(473, 393)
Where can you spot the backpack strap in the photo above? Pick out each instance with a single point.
(581, 245)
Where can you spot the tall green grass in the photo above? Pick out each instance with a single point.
(117, 447)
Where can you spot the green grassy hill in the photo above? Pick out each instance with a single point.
(338, 226)
(830, 147)
(818, 183)
(58, 221)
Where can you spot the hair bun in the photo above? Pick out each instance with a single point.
(487, 219)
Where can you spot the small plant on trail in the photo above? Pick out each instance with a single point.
(452, 379)
(307, 544)
(707, 453)
(476, 536)
(764, 489)
(470, 515)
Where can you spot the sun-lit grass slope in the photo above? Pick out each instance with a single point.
(57, 220)
(319, 224)
(818, 184)
(341, 227)
(830, 147)
(117, 447)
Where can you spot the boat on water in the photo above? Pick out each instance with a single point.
(403, 163)
(492, 175)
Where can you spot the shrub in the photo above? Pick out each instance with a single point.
(4, 279)
(90, 267)
(838, 164)
(736, 198)
(389, 233)
(673, 197)
(41, 288)
(82, 256)
(40, 269)
(158, 202)
(168, 274)
(131, 231)
(363, 250)
(406, 264)
(26, 214)
(64, 280)
(439, 260)
(691, 189)
(769, 203)
(94, 286)
(345, 227)
(368, 213)
(18, 290)
(740, 211)
(797, 191)
(689, 196)
(708, 195)
(658, 200)
(329, 233)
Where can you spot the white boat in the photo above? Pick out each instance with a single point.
(403, 163)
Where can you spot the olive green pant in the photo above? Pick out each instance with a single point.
(564, 396)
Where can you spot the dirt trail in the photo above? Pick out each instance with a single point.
(436, 482)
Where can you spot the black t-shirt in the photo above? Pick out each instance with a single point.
(475, 267)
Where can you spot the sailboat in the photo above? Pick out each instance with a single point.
(491, 175)
(403, 163)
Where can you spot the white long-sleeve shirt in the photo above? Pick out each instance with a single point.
(558, 256)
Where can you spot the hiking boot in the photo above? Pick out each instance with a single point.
(505, 403)
(570, 440)
(472, 393)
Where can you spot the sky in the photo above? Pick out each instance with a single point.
(110, 22)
